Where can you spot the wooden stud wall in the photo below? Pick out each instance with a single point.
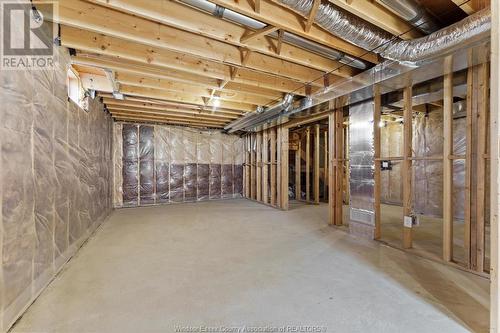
(266, 167)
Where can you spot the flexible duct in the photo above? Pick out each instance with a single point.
(261, 116)
(413, 13)
(371, 38)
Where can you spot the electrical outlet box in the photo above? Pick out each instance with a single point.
(408, 221)
(385, 165)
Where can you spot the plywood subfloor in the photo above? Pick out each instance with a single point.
(236, 263)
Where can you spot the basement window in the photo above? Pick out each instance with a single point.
(76, 93)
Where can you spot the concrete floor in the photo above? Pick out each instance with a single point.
(234, 263)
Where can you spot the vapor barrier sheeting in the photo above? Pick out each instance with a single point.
(168, 164)
(55, 179)
(427, 174)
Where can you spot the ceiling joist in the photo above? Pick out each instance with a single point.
(111, 46)
(183, 17)
(276, 15)
(82, 15)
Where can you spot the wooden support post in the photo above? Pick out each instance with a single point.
(468, 166)
(284, 167)
(272, 180)
(376, 142)
(252, 166)
(308, 164)
(265, 166)
(331, 168)
(494, 167)
(298, 168)
(278, 167)
(247, 167)
(447, 162)
(258, 166)
(339, 165)
(325, 166)
(482, 123)
(316, 164)
(406, 170)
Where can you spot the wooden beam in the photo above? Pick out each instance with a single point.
(265, 166)
(151, 103)
(165, 119)
(308, 164)
(183, 98)
(312, 15)
(284, 167)
(377, 149)
(273, 166)
(406, 169)
(178, 15)
(110, 46)
(258, 33)
(162, 121)
(471, 6)
(123, 109)
(298, 170)
(156, 72)
(98, 19)
(276, 15)
(149, 82)
(316, 164)
(448, 163)
(115, 103)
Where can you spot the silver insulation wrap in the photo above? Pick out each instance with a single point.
(361, 166)
(369, 37)
(343, 24)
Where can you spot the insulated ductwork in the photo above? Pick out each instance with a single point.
(413, 13)
(261, 115)
(369, 37)
(235, 17)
